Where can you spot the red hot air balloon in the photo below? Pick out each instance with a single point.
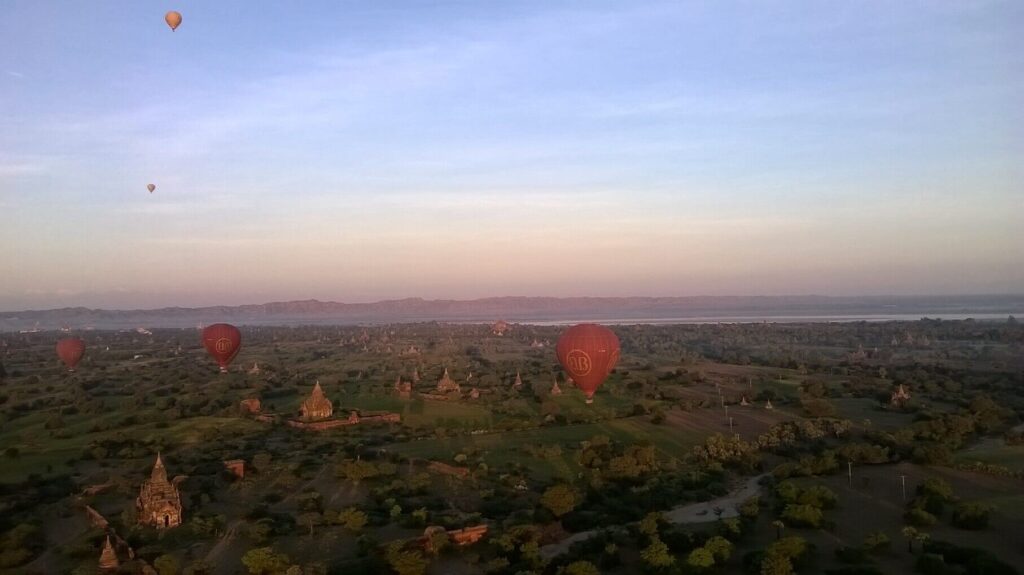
(222, 341)
(70, 351)
(588, 352)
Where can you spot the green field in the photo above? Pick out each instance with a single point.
(996, 452)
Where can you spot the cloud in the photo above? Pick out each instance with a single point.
(15, 74)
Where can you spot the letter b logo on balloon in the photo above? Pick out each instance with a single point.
(224, 345)
(578, 362)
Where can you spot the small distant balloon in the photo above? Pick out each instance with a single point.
(70, 351)
(173, 20)
(150, 187)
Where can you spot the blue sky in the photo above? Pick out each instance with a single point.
(358, 151)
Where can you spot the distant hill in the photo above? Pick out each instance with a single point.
(525, 309)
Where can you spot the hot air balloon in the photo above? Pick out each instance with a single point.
(150, 187)
(222, 341)
(173, 20)
(588, 352)
(70, 350)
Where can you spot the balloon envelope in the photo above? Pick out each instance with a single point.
(173, 19)
(150, 187)
(588, 352)
(222, 341)
(70, 351)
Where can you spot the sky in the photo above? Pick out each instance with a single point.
(359, 151)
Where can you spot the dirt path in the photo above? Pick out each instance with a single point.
(701, 512)
(229, 536)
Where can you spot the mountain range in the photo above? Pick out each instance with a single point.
(527, 309)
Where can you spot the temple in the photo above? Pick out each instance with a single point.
(900, 397)
(108, 557)
(500, 327)
(555, 390)
(159, 503)
(447, 384)
(518, 383)
(317, 406)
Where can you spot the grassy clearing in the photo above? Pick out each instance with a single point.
(995, 451)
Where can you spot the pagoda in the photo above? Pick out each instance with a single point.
(255, 369)
(474, 393)
(518, 383)
(447, 384)
(768, 405)
(555, 390)
(499, 328)
(743, 401)
(159, 503)
(317, 406)
(899, 397)
(108, 558)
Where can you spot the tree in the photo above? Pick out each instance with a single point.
(877, 542)
(719, 547)
(356, 470)
(776, 565)
(657, 555)
(261, 462)
(166, 565)
(263, 561)
(580, 568)
(750, 508)
(310, 519)
(793, 548)
(405, 562)
(353, 519)
(802, 515)
(559, 500)
(910, 534)
(700, 558)
(779, 526)
(649, 524)
(971, 516)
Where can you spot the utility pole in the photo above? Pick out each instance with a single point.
(730, 425)
(849, 471)
(903, 484)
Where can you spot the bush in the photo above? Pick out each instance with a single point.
(971, 516)
(919, 517)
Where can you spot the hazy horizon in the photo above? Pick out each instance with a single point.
(360, 152)
(970, 300)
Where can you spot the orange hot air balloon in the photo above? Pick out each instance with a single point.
(173, 20)
(150, 187)
(222, 341)
(588, 352)
(70, 351)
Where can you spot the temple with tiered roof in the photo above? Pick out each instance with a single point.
(899, 397)
(159, 503)
(317, 406)
(447, 384)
